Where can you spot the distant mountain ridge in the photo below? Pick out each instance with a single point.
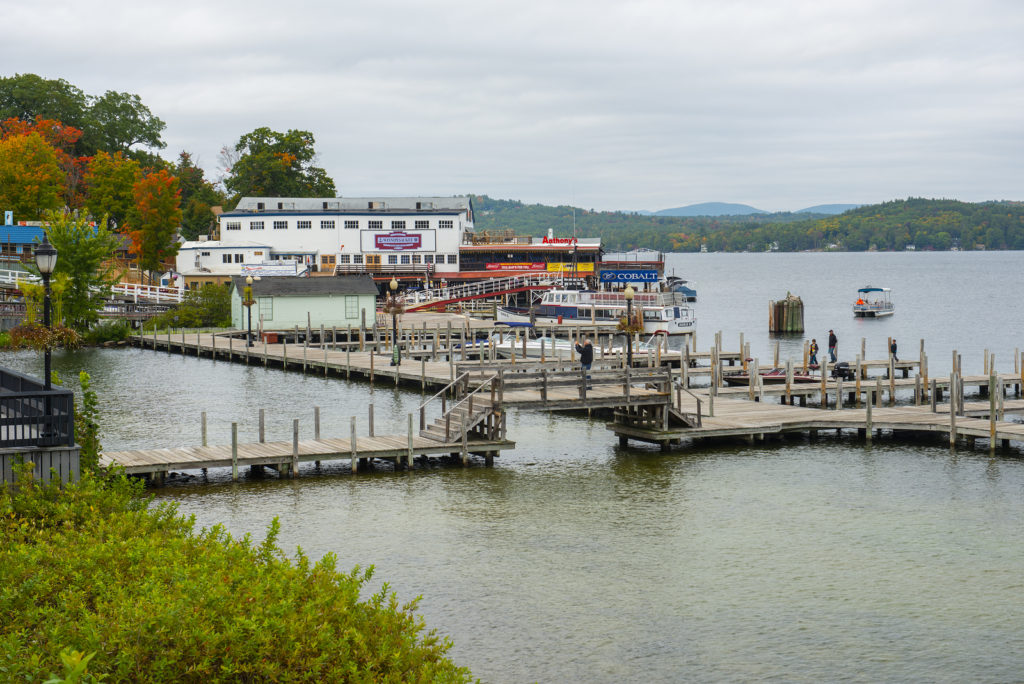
(711, 209)
(828, 209)
(733, 209)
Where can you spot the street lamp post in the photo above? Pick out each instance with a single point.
(46, 261)
(247, 302)
(628, 294)
(394, 306)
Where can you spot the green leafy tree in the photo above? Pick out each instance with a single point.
(110, 182)
(83, 250)
(155, 219)
(198, 197)
(119, 121)
(31, 180)
(273, 164)
(25, 96)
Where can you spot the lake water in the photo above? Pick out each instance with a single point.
(574, 560)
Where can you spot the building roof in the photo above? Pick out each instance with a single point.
(354, 204)
(289, 286)
(219, 244)
(20, 235)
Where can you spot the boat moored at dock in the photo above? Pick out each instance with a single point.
(661, 312)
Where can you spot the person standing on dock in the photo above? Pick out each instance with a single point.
(814, 352)
(892, 350)
(833, 342)
(586, 352)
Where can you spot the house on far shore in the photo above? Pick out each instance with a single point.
(283, 302)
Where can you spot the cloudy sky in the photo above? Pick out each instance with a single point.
(781, 104)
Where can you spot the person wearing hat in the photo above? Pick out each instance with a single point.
(832, 343)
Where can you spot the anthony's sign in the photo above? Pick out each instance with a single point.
(617, 276)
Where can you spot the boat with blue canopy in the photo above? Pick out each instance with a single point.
(873, 302)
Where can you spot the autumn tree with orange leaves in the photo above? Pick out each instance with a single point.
(153, 224)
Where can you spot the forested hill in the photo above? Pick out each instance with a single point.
(924, 223)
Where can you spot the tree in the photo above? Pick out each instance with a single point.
(31, 180)
(26, 96)
(110, 181)
(198, 196)
(155, 219)
(62, 138)
(119, 121)
(83, 252)
(276, 164)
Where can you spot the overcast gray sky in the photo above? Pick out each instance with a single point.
(780, 104)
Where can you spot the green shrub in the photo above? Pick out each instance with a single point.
(108, 331)
(93, 571)
(207, 307)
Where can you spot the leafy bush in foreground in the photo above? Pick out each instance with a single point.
(93, 569)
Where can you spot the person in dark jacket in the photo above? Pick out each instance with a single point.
(586, 352)
(892, 350)
(833, 342)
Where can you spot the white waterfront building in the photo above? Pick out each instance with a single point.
(405, 236)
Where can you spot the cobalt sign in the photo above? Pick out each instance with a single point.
(629, 276)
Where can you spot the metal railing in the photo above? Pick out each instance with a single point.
(149, 293)
(479, 288)
(31, 416)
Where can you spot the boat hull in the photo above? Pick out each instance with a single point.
(651, 327)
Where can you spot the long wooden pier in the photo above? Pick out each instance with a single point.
(653, 400)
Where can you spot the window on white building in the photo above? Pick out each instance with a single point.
(357, 258)
(327, 225)
(204, 253)
(351, 306)
(392, 258)
(233, 225)
(266, 308)
(351, 225)
(405, 258)
(256, 225)
(303, 225)
(239, 258)
(280, 225)
(398, 225)
(343, 258)
(428, 258)
(452, 258)
(422, 225)
(225, 258)
(415, 258)
(376, 225)
(446, 224)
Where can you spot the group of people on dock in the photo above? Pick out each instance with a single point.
(833, 345)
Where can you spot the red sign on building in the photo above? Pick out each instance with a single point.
(397, 241)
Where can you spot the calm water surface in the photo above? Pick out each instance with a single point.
(575, 560)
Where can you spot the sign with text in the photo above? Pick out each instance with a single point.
(396, 241)
(618, 276)
(555, 267)
(518, 266)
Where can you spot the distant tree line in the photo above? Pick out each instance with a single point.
(925, 224)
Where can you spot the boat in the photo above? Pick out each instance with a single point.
(662, 312)
(684, 287)
(769, 376)
(873, 302)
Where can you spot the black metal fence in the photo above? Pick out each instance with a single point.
(31, 416)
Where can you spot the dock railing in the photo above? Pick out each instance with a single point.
(31, 416)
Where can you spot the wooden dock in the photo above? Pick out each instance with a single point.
(654, 400)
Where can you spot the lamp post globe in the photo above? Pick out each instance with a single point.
(46, 261)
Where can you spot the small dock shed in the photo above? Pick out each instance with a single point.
(284, 302)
